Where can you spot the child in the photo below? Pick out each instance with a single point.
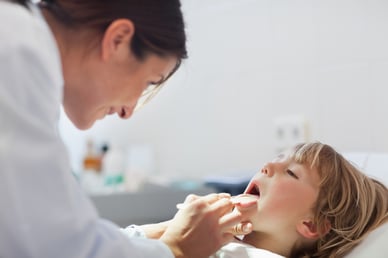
(311, 203)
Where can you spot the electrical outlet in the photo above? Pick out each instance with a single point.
(289, 130)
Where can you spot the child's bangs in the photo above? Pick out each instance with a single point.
(320, 156)
(307, 154)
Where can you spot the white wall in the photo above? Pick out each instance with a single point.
(252, 61)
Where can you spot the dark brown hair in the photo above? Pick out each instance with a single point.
(159, 25)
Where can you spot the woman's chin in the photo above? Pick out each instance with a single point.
(84, 124)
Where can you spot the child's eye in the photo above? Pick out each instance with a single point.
(289, 171)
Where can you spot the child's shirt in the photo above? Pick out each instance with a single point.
(239, 249)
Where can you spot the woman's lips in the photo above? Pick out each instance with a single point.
(122, 113)
(111, 111)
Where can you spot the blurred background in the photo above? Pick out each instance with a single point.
(261, 75)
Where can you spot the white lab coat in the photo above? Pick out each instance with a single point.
(44, 213)
(239, 249)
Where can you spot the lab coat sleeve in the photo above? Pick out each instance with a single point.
(133, 231)
(238, 249)
(44, 212)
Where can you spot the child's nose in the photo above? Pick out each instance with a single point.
(267, 169)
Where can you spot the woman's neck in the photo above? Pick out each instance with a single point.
(68, 39)
(58, 30)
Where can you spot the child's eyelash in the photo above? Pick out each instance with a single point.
(289, 171)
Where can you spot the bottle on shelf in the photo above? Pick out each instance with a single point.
(91, 160)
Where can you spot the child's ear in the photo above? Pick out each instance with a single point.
(310, 230)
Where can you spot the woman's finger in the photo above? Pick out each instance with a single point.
(242, 228)
(238, 215)
(209, 199)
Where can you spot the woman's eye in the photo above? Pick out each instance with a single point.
(292, 173)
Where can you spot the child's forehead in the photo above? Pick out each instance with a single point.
(291, 155)
(286, 155)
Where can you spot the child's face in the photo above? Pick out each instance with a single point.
(286, 192)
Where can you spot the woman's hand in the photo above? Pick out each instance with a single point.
(243, 205)
(202, 225)
(155, 231)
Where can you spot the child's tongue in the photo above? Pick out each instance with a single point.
(244, 198)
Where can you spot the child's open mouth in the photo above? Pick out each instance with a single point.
(253, 189)
(252, 194)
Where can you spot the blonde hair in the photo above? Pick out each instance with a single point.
(353, 203)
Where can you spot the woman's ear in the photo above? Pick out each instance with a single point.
(117, 38)
(310, 230)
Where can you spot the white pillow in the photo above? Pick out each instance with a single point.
(374, 245)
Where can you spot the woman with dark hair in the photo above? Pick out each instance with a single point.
(98, 58)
